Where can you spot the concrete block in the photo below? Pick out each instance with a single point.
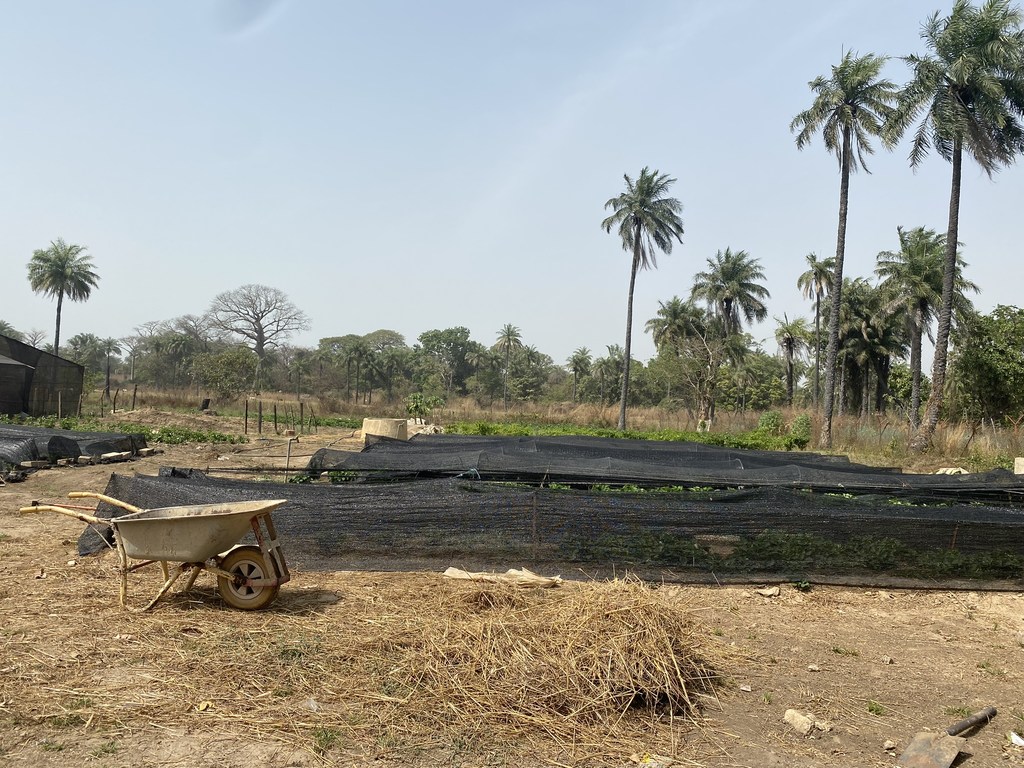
(394, 428)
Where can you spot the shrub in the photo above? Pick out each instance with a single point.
(800, 430)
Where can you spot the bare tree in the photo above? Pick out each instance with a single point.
(261, 315)
(34, 337)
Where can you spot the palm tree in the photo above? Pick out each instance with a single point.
(646, 219)
(110, 348)
(912, 282)
(509, 338)
(793, 337)
(62, 270)
(675, 321)
(969, 92)
(730, 286)
(8, 330)
(579, 363)
(609, 369)
(813, 284)
(849, 107)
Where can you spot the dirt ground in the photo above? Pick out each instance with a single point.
(871, 667)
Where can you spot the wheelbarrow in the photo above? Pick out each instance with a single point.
(200, 537)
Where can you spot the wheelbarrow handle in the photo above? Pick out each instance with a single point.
(968, 722)
(92, 520)
(101, 497)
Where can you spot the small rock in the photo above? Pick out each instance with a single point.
(769, 592)
(813, 668)
(889, 746)
(746, 688)
(72, 563)
(822, 725)
(800, 723)
(888, 660)
(1020, 639)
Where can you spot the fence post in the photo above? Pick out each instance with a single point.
(245, 418)
(260, 422)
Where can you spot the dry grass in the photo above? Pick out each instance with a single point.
(377, 665)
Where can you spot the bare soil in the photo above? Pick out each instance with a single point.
(872, 667)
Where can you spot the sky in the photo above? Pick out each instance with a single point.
(418, 166)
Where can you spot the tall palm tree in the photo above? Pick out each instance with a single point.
(646, 219)
(62, 270)
(793, 337)
(730, 286)
(509, 338)
(579, 363)
(110, 348)
(813, 284)
(849, 109)
(912, 282)
(968, 90)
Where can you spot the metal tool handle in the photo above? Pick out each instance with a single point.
(978, 717)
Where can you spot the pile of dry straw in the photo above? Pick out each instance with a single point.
(368, 663)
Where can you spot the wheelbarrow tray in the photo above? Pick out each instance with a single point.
(188, 534)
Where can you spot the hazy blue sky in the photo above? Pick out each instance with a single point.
(413, 165)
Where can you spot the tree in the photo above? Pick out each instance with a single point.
(850, 108)
(34, 337)
(730, 287)
(792, 336)
(62, 270)
(110, 348)
(813, 284)
(579, 364)
(509, 339)
(6, 329)
(912, 284)
(989, 365)
(261, 315)
(228, 373)
(968, 91)
(445, 353)
(646, 219)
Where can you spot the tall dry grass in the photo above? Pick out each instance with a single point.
(880, 439)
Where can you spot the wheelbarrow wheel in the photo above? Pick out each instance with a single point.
(245, 563)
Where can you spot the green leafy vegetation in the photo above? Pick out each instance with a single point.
(168, 435)
(757, 439)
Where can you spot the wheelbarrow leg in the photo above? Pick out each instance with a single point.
(163, 590)
(196, 570)
(122, 557)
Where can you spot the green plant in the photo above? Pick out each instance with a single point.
(51, 746)
(325, 739)
(802, 586)
(770, 423)
(421, 406)
(957, 711)
(838, 649)
(875, 708)
(300, 479)
(800, 430)
(105, 749)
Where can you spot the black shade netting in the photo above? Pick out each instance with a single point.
(747, 535)
(21, 443)
(583, 461)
